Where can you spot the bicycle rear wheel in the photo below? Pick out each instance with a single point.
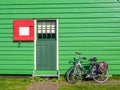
(73, 75)
(99, 77)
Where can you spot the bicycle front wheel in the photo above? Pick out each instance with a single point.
(73, 75)
(100, 77)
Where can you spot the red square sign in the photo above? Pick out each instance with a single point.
(23, 30)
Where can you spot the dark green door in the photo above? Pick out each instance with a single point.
(46, 45)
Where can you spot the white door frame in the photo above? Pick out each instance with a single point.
(35, 40)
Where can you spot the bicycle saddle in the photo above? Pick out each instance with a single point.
(94, 59)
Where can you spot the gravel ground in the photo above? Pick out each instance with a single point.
(44, 85)
(50, 85)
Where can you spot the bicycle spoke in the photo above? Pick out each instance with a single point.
(73, 75)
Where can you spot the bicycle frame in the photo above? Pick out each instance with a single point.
(82, 67)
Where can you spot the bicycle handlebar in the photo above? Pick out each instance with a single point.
(78, 53)
(80, 57)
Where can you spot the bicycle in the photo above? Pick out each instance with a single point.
(75, 72)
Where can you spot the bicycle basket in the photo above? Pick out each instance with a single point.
(103, 66)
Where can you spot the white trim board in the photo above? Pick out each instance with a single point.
(35, 39)
(57, 46)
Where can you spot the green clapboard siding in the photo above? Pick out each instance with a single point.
(89, 26)
(15, 57)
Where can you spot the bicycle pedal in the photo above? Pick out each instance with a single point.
(88, 76)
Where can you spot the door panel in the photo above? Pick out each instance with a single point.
(46, 55)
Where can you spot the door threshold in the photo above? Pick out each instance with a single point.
(46, 73)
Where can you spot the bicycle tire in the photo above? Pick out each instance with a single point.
(99, 78)
(73, 75)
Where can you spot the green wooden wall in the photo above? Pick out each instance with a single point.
(89, 26)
